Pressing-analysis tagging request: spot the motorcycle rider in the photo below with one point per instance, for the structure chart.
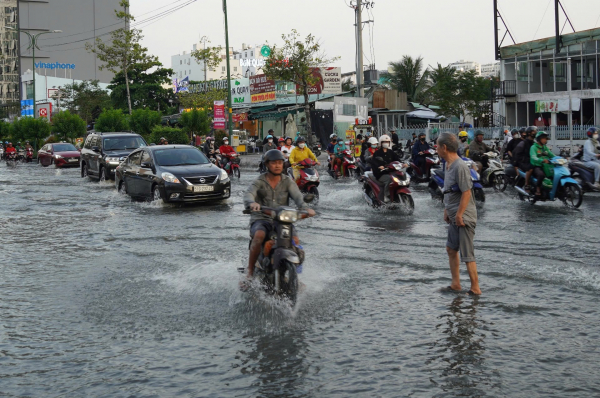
(591, 154)
(10, 150)
(300, 153)
(463, 146)
(162, 141)
(272, 189)
(510, 148)
(209, 148)
(226, 152)
(521, 158)
(330, 149)
(287, 147)
(373, 144)
(418, 152)
(338, 151)
(381, 158)
(269, 145)
(540, 155)
(476, 150)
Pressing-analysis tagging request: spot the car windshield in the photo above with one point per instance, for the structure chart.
(64, 147)
(179, 157)
(122, 143)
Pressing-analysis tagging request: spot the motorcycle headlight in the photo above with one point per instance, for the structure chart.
(224, 175)
(313, 178)
(288, 216)
(168, 177)
(398, 167)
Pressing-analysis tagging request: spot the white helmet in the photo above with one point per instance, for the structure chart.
(384, 138)
(333, 135)
(373, 141)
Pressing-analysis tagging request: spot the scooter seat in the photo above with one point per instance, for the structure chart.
(373, 178)
(582, 165)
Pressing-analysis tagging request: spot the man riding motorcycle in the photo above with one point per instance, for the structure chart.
(591, 154)
(540, 157)
(381, 158)
(517, 138)
(272, 189)
(477, 149)
(521, 158)
(10, 150)
(300, 153)
(227, 152)
(418, 151)
(463, 146)
(331, 149)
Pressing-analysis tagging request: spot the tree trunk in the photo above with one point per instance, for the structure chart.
(308, 127)
(127, 85)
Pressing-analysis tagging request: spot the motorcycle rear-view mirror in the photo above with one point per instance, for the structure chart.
(309, 198)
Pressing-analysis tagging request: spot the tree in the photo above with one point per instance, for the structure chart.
(30, 129)
(461, 94)
(145, 88)
(142, 121)
(210, 57)
(124, 49)
(86, 99)
(112, 120)
(407, 76)
(295, 62)
(67, 126)
(5, 130)
(347, 85)
(201, 100)
(195, 122)
(173, 135)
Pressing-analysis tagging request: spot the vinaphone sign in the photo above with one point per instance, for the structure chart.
(54, 65)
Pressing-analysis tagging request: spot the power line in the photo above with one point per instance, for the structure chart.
(543, 16)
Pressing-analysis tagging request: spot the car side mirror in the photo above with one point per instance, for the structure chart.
(309, 198)
(146, 165)
(95, 149)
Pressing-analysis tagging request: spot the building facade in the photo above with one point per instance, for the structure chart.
(464, 66)
(9, 50)
(490, 70)
(541, 78)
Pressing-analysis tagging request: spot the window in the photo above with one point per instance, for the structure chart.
(235, 68)
(252, 53)
(523, 71)
(349, 109)
(560, 68)
(134, 158)
(146, 157)
(88, 141)
(223, 69)
(245, 54)
(180, 62)
(588, 69)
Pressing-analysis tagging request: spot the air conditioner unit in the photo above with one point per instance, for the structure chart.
(371, 77)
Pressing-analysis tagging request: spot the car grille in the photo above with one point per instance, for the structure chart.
(201, 180)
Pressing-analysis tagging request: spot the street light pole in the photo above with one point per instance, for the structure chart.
(32, 45)
(229, 105)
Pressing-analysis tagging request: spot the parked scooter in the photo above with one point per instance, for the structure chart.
(281, 259)
(436, 184)
(562, 187)
(399, 188)
(494, 175)
(348, 166)
(432, 161)
(581, 173)
(309, 178)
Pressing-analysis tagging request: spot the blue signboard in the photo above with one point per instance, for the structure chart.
(27, 107)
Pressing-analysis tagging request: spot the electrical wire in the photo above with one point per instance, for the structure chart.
(543, 16)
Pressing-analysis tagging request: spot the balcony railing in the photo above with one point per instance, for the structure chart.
(508, 88)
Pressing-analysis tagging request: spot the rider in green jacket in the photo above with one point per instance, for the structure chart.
(540, 157)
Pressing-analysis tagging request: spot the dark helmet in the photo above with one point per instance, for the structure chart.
(479, 132)
(531, 129)
(273, 154)
(591, 131)
(421, 135)
(300, 139)
(522, 130)
(210, 138)
(514, 131)
(540, 135)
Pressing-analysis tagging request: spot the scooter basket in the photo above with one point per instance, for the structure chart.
(235, 160)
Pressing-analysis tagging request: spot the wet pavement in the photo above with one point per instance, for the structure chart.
(103, 296)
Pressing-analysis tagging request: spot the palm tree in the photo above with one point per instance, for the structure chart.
(408, 76)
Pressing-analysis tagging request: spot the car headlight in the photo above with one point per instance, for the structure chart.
(288, 216)
(224, 175)
(57, 157)
(168, 177)
(112, 160)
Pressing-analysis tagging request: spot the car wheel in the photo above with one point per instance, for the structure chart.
(84, 171)
(156, 197)
(122, 188)
(102, 175)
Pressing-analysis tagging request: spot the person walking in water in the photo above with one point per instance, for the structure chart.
(459, 212)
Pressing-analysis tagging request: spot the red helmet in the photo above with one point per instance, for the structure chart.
(281, 139)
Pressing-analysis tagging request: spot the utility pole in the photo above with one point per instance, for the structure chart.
(229, 110)
(204, 39)
(359, 49)
(570, 103)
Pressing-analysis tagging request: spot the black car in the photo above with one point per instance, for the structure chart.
(172, 173)
(102, 153)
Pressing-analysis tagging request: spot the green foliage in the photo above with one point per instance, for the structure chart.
(173, 135)
(195, 122)
(86, 99)
(5, 130)
(67, 126)
(219, 135)
(145, 88)
(201, 100)
(209, 56)
(407, 76)
(51, 140)
(347, 85)
(123, 49)
(461, 94)
(142, 121)
(112, 120)
(30, 129)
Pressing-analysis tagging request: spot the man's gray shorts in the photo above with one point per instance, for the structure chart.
(461, 240)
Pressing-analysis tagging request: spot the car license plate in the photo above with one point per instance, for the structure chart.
(72, 160)
(204, 188)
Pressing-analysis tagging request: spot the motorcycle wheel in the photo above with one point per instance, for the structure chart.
(408, 202)
(479, 195)
(289, 282)
(313, 190)
(317, 153)
(573, 196)
(236, 173)
(499, 182)
(435, 191)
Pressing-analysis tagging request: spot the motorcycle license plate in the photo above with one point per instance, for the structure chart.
(204, 188)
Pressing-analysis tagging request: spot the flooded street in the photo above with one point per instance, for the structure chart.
(104, 296)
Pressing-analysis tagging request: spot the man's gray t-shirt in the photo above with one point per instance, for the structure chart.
(459, 174)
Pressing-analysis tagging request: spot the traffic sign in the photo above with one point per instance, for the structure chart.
(43, 112)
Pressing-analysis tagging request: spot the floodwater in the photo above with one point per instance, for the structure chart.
(102, 296)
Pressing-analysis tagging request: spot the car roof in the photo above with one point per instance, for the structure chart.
(121, 133)
(155, 147)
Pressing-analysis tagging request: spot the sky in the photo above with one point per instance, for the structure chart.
(438, 30)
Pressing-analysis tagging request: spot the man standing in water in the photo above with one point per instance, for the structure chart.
(460, 213)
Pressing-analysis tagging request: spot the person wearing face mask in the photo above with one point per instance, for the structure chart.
(591, 154)
(540, 156)
(269, 145)
(521, 158)
(476, 150)
(270, 133)
(463, 147)
(512, 144)
(300, 153)
(208, 149)
(338, 151)
(330, 149)
(381, 158)
(418, 151)
(373, 144)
